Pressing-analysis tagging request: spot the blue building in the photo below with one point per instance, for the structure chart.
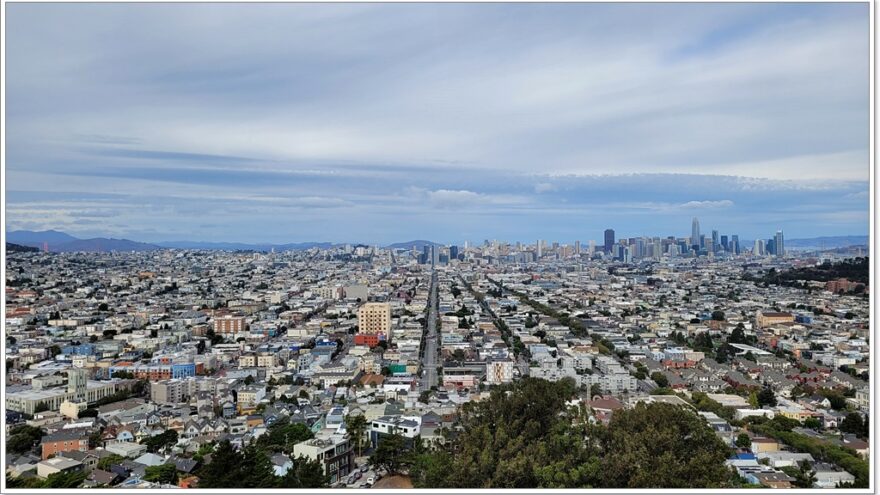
(82, 349)
(183, 370)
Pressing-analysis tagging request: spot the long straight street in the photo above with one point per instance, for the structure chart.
(429, 356)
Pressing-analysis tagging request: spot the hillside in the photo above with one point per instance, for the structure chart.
(59, 242)
(18, 248)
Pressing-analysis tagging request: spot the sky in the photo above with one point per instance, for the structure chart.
(380, 123)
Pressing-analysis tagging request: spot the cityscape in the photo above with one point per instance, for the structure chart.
(468, 247)
(360, 366)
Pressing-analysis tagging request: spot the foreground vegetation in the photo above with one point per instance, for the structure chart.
(525, 435)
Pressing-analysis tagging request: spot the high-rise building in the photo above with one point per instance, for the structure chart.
(695, 233)
(780, 244)
(77, 384)
(592, 248)
(609, 240)
(540, 248)
(771, 246)
(759, 247)
(734, 241)
(374, 324)
(453, 252)
(714, 241)
(577, 247)
(724, 245)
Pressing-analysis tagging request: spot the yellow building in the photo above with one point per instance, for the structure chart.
(764, 320)
(375, 319)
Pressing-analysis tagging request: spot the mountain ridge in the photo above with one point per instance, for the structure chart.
(62, 242)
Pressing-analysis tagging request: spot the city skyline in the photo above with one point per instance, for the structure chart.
(522, 121)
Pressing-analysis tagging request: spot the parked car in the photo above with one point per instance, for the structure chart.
(371, 480)
(365, 468)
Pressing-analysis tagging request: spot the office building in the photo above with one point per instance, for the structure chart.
(695, 234)
(779, 245)
(609, 240)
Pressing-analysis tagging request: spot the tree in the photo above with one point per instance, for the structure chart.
(164, 473)
(88, 413)
(390, 453)
(738, 335)
(256, 469)
(305, 473)
(753, 400)
(838, 401)
(223, 470)
(660, 379)
(766, 397)
(804, 475)
(661, 446)
(357, 427)
(813, 423)
(852, 423)
(248, 380)
(159, 442)
(64, 480)
(744, 441)
(23, 438)
(718, 315)
(283, 435)
(109, 460)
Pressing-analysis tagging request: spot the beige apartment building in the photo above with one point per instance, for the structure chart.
(374, 319)
(764, 320)
(225, 325)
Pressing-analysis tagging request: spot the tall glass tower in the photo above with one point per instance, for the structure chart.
(780, 244)
(695, 233)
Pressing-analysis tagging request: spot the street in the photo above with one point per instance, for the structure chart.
(429, 356)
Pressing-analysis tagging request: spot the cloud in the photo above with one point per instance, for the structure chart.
(724, 203)
(455, 200)
(366, 120)
(543, 187)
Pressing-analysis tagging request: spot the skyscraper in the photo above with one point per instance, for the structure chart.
(724, 245)
(714, 240)
(780, 244)
(453, 252)
(577, 247)
(759, 247)
(540, 245)
(734, 241)
(695, 233)
(609, 240)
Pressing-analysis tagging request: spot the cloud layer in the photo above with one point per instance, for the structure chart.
(381, 122)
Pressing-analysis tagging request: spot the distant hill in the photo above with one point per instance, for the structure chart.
(18, 248)
(239, 246)
(59, 242)
(103, 245)
(832, 242)
(419, 244)
(31, 238)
